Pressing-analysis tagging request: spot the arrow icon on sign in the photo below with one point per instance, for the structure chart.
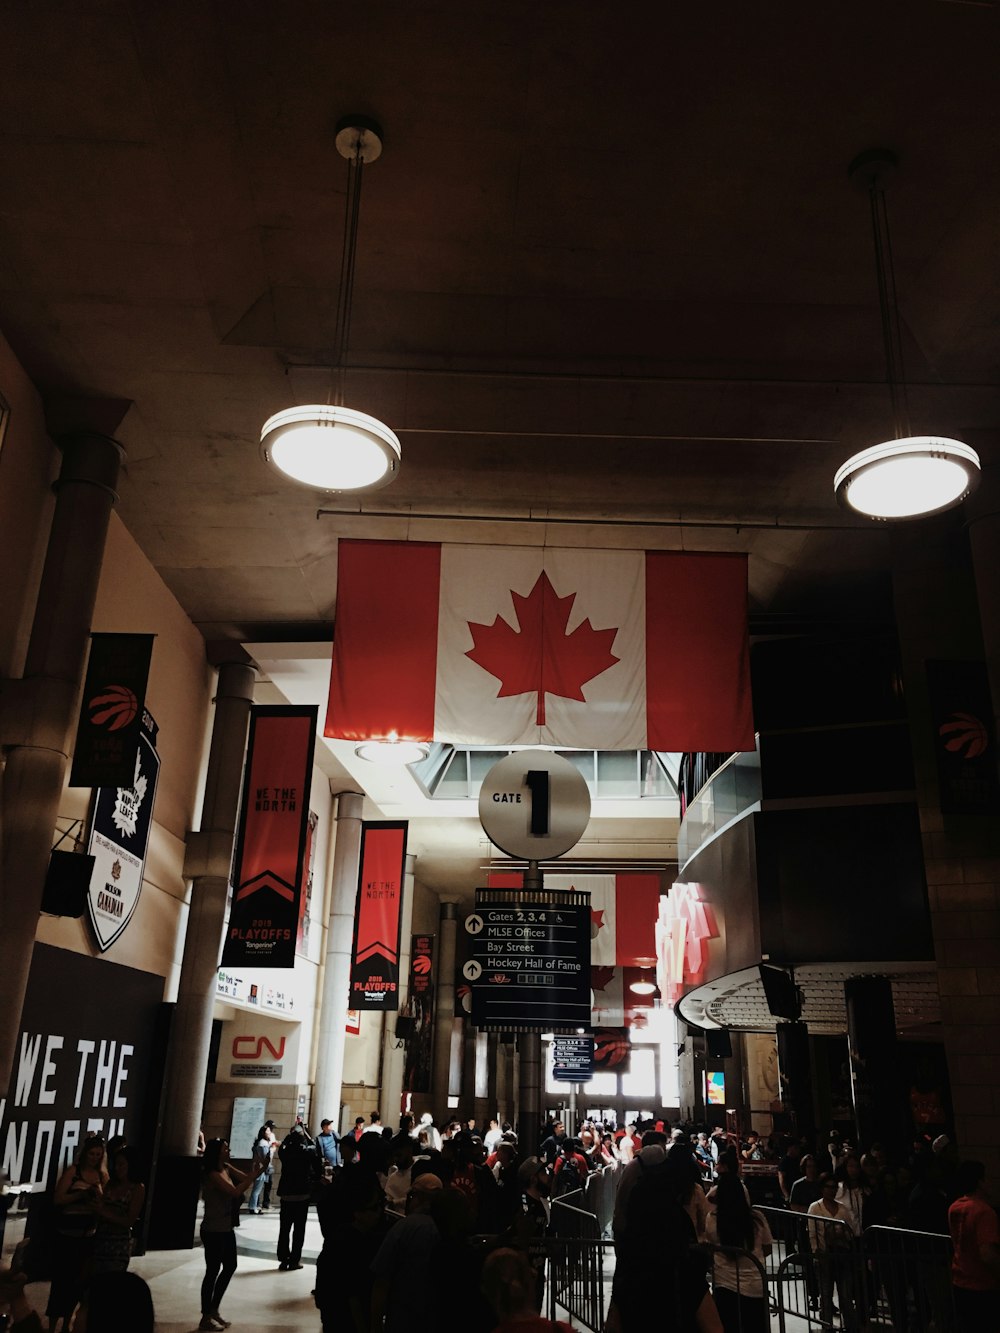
(474, 924)
(472, 970)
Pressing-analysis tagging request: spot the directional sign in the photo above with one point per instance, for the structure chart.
(534, 804)
(534, 953)
(572, 1059)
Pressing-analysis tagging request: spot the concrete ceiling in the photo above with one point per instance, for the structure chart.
(614, 286)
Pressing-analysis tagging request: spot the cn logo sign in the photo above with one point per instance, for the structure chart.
(252, 1048)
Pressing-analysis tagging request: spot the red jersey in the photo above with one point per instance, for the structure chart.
(973, 1223)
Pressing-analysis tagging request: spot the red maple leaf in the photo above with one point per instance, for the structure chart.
(540, 657)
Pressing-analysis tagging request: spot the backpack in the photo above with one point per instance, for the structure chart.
(568, 1178)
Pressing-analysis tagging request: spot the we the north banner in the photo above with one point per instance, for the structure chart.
(270, 855)
(377, 917)
(481, 645)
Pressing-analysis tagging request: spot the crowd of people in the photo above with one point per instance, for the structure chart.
(446, 1227)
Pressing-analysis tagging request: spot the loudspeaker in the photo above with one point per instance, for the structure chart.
(718, 1044)
(405, 1027)
(66, 883)
(781, 993)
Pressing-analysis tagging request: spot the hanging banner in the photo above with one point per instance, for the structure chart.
(420, 1007)
(271, 843)
(596, 649)
(119, 837)
(375, 956)
(110, 724)
(88, 1054)
(964, 740)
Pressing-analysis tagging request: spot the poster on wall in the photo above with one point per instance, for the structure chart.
(377, 916)
(119, 837)
(271, 842)
(86, 1058)
(420, 1008)
(111, 708)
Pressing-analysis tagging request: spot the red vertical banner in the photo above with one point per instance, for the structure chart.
(377, 915)
(271, 844)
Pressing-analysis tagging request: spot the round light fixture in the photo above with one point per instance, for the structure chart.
(392, 751)
(642, 988)
(911, 478)
(330, 448)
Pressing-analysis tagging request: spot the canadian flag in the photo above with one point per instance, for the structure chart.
(484, 645)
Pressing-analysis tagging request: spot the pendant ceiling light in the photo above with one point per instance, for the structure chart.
(330, 447)
(392, 751)
(910, 476)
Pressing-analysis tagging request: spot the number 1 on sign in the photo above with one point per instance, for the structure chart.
(538, 783)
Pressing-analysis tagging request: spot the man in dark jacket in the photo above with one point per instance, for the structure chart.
(301, 1172)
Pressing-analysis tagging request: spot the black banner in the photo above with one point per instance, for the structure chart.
(964, 740)
(84, 1063)
(114, 695)
(377, 916)
(420, 1008)
(271, 844)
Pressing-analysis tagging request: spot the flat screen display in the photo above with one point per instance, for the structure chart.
(715, 1089)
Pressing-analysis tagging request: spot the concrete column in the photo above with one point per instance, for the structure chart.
(492, 1100)
(207, 861)
(795, 1072)
(880, 1101)
(40, 710)
(529, 1049)
(944, 613)
(337, 975)
(444, 1010)
(394, 1054)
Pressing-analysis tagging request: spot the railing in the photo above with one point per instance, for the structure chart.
(581, 1259)
(888, 1277)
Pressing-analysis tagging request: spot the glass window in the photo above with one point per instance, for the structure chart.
(454, 784)
(617, 774)
(583, 761)
(657, 778)
(640, 1081)
(602, 1085)
(481, 761)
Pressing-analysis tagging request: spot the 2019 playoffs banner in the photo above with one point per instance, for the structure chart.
(377, 915)
(269, 863)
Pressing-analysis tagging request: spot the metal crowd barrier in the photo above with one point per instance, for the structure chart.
(823, 1275)
(581, 1259)
(740, 1288)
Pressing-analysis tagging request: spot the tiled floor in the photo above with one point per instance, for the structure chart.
(259, 1296)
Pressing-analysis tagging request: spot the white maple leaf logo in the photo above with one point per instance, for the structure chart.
(129, 801)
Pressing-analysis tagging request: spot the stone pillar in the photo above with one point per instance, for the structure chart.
(40, 710)
(880, 1099)
(795, 1073)
(944, 613)
(394, 1053)
(529, 1049)
(444, 1010)
(337, 974)
(207, 861)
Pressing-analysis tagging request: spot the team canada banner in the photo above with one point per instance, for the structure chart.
(269, 863)
(377, 916)
(482, 645)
